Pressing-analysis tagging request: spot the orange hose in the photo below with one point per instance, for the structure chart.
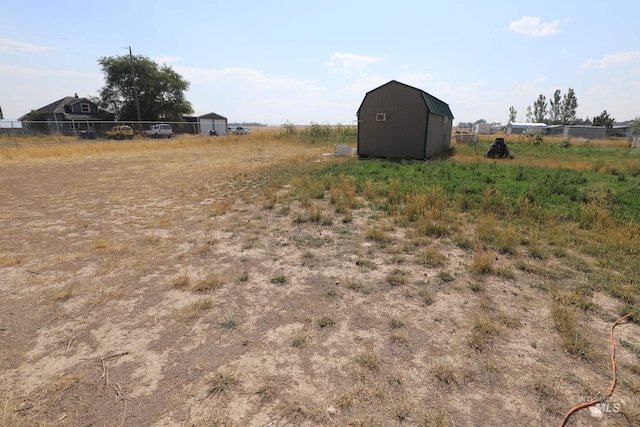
(613, 372)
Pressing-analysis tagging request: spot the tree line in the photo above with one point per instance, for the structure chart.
(560, 110)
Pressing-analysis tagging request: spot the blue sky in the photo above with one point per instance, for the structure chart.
(300, 61)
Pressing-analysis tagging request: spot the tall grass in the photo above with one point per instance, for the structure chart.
(517, 210)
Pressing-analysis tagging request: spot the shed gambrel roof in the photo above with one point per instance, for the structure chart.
(437, 106)
(434, 104)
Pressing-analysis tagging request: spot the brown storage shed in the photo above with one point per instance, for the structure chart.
(398, 121)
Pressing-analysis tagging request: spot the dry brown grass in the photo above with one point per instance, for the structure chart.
(71, 148)
(366, 324)
(64, 294)
(222, 381)
(209, 283)
(195, 310)
(9, 260)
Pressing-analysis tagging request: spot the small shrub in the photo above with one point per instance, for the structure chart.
(483, 332)
(378, 235)
(430, 257)
(266, 391)
(446, 276)
(398, 339)
(279, 280)
(222, 381)
(565, 322)
(195, 310)
(64, 294)
(366, 263)
(325, 321)
(368, 360)
(395, 323)
(299, 341)
(445, 374)
(270, 199)
(426, 298)
(209, 283)
(476, 287)
(230, 323)
(482, 262)
(354, 285)
(545, 390)
(575, 299)
(181, 282)
(307, 188)
(435, 418)
(397, 277)
(343, 194)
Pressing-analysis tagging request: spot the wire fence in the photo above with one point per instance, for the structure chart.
(16, 133)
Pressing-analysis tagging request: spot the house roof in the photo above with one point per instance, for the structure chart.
(58, 106)
(434, 104)
(526, 125)
(206, 116)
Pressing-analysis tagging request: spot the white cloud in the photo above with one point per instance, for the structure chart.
(534, 27)
(616, 59)
(247, 78)
(33, 87)
(7, 45)
(348, 63)
(21, 72)
(241, 93)
(529, 88)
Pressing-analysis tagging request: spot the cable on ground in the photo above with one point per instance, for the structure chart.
(613, 373)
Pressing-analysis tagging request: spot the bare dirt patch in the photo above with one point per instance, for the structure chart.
(155, 288)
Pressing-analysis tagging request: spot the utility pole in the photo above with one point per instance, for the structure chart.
(135, 91)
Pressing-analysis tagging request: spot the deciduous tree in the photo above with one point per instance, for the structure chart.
(603, 120)
(569, 107)
(159, 88)
(555, 106)
(540, 109)
(513, 113)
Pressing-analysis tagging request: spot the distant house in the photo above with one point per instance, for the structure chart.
(67, 115)
(67, 109)
(398, 121)
(620, 130)
(554, 130)
(206, 122)
(482, 128)
(587, 132)
(524, 128)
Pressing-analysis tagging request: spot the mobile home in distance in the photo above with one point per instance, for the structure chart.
(482, 128)
(524, 128)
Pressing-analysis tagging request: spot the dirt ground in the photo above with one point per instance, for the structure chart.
(156, 289)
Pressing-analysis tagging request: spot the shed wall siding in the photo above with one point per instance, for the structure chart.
(593, 132)
(417, 125)
(402, 135)
(439, 136)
